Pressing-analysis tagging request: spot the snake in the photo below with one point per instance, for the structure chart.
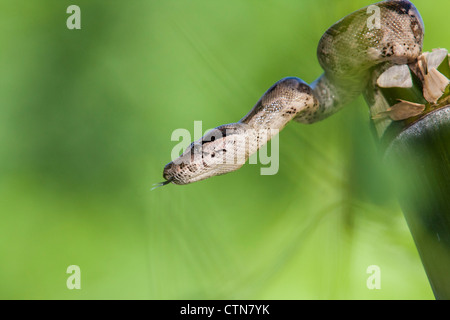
(387, 32)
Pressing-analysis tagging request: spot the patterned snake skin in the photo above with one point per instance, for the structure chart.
(348, 52)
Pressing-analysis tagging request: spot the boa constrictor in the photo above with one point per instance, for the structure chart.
(348, 52)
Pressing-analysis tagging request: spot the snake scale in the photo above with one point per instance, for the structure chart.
(348, 52)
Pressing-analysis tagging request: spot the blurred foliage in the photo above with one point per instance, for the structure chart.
(86, 120)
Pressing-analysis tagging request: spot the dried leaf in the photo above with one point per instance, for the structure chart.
(422, 65)
(434, 85)
(435, 58)
(397, 76)
(401, 111)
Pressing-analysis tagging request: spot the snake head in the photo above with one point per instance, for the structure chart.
(219, 151)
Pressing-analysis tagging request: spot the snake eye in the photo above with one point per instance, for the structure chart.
(217, 133)
(211, 139)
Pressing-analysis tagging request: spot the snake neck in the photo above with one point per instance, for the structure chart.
(333, 94)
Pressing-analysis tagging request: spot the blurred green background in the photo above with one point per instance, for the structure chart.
(86, 121)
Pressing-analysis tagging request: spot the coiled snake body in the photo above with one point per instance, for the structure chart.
(348, 51)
